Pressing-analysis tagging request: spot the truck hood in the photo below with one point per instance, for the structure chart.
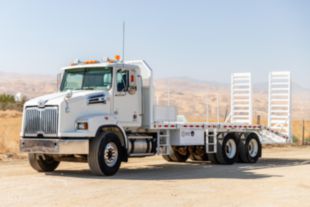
(59, 97)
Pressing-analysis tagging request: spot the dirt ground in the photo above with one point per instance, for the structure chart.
(281, 178)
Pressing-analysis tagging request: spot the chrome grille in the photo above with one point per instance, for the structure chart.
(41, 121)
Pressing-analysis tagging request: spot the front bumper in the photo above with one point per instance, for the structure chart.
(54, 146)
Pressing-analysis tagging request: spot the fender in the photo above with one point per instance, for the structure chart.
(123, 139)
(97, 122)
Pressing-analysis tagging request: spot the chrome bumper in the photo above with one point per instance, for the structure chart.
(55, 146)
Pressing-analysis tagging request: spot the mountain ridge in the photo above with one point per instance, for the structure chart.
(188, 94)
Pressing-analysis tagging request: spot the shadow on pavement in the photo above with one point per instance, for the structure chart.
(189, 170)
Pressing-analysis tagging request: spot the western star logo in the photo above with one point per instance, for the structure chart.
(41, 103)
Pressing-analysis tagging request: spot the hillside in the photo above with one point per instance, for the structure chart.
(189, 95)
(30, 85)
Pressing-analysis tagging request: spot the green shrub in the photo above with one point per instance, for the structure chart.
(7, 102)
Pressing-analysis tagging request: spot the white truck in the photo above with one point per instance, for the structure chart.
(104, 113)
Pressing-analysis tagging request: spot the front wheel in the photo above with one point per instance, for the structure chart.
(42, 163)
(105, 154)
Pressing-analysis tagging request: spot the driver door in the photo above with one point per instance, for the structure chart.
(127, 98)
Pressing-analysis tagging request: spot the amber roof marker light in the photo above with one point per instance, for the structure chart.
(117, 57)
(91, 61)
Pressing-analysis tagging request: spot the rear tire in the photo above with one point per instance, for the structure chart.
(198, 154)
(250, 150)
(227, 150)
(167, 158)
(105, 154)
(42, 163)
(178, 154)
(213, 159)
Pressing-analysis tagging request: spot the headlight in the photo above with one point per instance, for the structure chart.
(82, 125)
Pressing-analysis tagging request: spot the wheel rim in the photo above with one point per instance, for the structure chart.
(253, 148)
(230, 148)
(110, 154)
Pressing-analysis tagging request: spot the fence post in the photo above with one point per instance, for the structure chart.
(303, 132)
(258, 120)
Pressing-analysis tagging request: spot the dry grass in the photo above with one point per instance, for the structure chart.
(10, 122)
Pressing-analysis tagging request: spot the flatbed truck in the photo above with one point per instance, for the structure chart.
(104, 114)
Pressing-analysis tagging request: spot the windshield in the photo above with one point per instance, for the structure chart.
(87, 79)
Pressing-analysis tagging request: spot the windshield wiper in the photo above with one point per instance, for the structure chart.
(89, 88)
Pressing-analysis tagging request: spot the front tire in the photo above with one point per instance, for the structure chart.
(42, 163)
(105, 154)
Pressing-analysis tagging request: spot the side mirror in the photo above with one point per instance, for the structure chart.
(59, 78)
(132, 82)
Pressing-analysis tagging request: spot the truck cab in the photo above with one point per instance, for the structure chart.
(94, 98)
(111, 88)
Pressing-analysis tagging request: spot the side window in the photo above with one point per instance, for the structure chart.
(122, 79)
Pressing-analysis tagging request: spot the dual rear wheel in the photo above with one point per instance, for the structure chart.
(229, 151)
(177, 154)
(250, 150)
(197, 153)
(226, 151)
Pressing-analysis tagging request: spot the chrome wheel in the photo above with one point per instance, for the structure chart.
(230, 148)
(253, 148)
(110, 154)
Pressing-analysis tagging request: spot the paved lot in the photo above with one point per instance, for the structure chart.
(281, 178)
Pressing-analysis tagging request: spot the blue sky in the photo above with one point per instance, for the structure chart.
(206, 40)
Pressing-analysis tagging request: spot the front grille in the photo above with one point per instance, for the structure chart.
(41, 121)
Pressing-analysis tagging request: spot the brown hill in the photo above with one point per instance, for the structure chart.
(30, 85)
(190, 96)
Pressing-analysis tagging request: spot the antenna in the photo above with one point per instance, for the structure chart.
(217, 108)
(123, 55)
(207, 109)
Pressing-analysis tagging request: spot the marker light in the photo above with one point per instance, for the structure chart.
(132, 78)
(82, 126)
(90, 61)
(117, 57)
